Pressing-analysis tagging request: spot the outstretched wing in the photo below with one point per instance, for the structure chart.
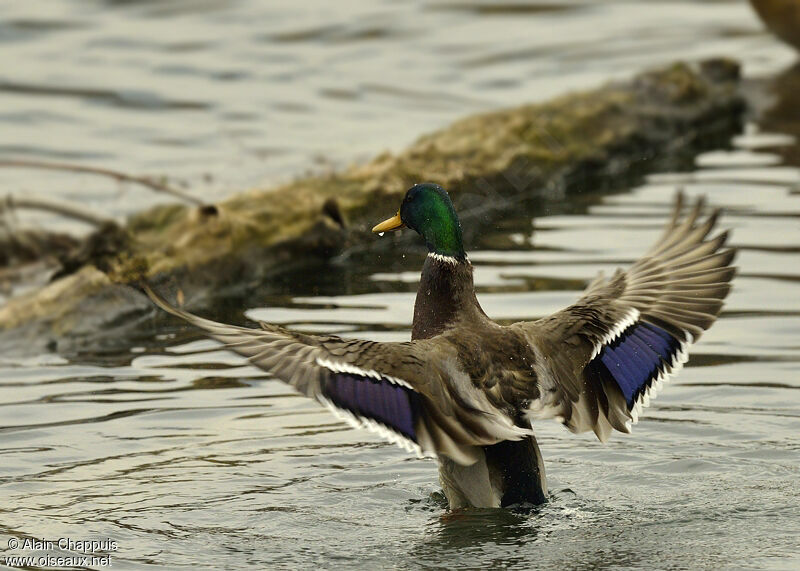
(609, 353)
(406, 392)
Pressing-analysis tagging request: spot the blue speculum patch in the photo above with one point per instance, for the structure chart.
(635, 358)
(392, 405)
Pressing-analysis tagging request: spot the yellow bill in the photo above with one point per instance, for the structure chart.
(392, 223)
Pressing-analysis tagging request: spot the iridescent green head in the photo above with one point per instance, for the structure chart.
(428, 210)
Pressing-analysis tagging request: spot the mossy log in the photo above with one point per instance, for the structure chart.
(576, 143)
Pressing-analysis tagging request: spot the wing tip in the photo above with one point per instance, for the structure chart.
(159, 301)
(212, 328)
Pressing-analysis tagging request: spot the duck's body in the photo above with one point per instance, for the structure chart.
(466, 390)
(510, 472)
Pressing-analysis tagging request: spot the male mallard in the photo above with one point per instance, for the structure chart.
(465, 389)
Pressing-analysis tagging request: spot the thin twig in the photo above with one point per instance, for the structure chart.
(68, 209)
(120, 176)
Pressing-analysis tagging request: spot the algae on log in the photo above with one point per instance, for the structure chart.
(576, 143)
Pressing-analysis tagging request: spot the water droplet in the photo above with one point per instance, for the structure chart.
(381, 233)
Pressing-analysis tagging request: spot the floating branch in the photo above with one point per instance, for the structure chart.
(10, 202)
(151, 183)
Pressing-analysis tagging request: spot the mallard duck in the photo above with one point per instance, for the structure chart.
(466, 390)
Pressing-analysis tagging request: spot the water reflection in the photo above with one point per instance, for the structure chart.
(482, 536)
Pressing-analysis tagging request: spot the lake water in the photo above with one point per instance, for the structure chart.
(185, 457)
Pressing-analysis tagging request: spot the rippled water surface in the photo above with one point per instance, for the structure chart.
(186, 457)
